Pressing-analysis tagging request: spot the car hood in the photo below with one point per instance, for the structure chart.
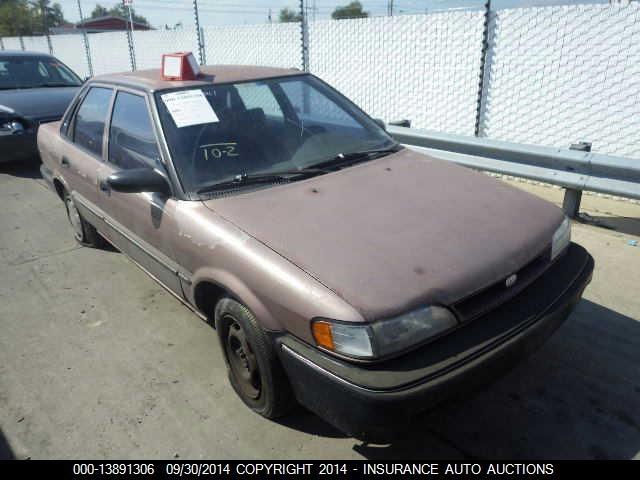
(398, 232)
(37, 103)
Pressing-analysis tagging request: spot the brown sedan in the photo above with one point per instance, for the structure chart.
(362, 279)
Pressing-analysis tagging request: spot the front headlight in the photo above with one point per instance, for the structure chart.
(384, 337)
(11, 127)
(561, 238)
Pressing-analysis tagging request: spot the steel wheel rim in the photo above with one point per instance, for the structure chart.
(242, 361)
(74, 219)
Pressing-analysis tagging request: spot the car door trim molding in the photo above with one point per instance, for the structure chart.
(151, 251)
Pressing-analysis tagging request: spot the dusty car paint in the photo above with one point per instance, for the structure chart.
(397, 232)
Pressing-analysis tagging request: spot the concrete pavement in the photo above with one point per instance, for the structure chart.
(98, 361)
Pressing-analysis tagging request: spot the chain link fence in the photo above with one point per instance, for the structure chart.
(562, 74)
(540, 75)
(419, 67)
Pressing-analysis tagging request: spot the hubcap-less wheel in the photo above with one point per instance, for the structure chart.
(74, 218)
(242, 360)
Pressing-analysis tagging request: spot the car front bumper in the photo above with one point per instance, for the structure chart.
(374, 401)
(18, 148)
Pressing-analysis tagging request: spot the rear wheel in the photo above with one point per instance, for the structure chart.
(254, 370)
(83, 231)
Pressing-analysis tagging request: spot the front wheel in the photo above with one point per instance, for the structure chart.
(254, 370)
(83, 231)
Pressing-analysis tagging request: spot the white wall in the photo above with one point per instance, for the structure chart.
(421, 67)
(554, 75)
(150, 45)
(276, 45)
(563, 74)
(70, 49)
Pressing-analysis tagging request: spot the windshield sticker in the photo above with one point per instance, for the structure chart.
(216, 151)
(189, 107)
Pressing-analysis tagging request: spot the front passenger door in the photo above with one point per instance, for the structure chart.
(140, 224)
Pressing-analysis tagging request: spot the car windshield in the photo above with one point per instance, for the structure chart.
(34, 72)
(220, 132)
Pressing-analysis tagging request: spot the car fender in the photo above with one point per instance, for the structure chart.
(237, 290)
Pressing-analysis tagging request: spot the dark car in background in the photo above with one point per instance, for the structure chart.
(35, 88)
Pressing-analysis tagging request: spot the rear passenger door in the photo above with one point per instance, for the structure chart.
(140, 224)
(81, 153)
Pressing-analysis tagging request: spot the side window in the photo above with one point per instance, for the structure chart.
(132, 143)
(90, 119)
(256, 96)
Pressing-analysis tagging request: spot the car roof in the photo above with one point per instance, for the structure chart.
(20, 53)
(151, 80)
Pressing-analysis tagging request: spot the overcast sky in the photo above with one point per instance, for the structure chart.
(224, 12)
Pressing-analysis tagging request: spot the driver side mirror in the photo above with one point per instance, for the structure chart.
(139, 180)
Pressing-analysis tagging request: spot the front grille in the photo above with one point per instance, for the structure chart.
(491, 297)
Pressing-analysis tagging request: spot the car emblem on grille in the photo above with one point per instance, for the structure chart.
(511, 280)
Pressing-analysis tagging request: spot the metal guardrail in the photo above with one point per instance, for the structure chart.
(575, 170)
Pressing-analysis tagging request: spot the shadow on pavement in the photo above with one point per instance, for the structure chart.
(578, 397)
(30, 169)
(5, 449)
(305, 421)
(628, 225)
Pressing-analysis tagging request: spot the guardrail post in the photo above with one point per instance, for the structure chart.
(22, 43)
(1, 44)
(571, 202)
(401, 123)
(572, 197)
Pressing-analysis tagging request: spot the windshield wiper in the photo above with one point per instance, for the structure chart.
(264, 177)
(350, 158)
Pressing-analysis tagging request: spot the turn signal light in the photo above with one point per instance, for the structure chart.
(322, 335)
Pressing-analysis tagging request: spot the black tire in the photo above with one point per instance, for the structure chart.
(258, 378)
(83, 231)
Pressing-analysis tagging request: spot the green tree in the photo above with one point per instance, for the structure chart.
(99, 11)
(287, 15)
(46, 15)
(15, 18)
(22, 17)
(353, 10)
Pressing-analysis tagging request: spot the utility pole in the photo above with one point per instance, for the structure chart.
(390, 8)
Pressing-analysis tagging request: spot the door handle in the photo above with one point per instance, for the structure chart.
(104, 186)
(65, 162)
